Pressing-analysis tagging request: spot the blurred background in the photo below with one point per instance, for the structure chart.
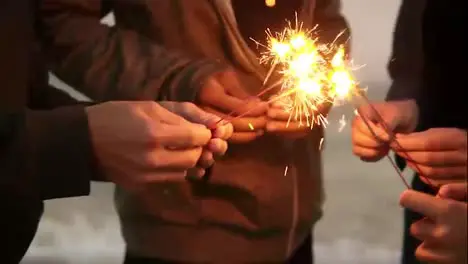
(362, 221)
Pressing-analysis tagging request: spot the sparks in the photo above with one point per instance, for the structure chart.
(313, 75)
(342, 123)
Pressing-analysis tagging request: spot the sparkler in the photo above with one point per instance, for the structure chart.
(309, 79)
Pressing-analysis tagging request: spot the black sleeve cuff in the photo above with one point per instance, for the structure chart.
(59, 152)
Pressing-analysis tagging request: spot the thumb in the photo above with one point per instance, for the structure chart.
(197, 115)
(372, 120)
(186, 135)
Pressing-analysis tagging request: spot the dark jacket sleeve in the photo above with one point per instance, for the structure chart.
(46, 153)
(406, 62)
(112, 63)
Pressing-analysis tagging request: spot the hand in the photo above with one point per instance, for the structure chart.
(399, 116)
(439, 153)
(141, 142)
(217, 146)
(443, 232)
(222, 94)
(282, 122)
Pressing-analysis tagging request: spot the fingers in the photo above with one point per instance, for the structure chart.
(183, 136)
(285, 126)
(436, 183)
(370, 130)
(168, 113)
(217, 146)
(245, 137)
(455, 191)
(206, 159)
(369, 140)
(195, 114)
(276, 111)
(365, 139)
(378, 113)
(438, 139)
(215, 95)
(439, 173)
(423, 229)
(248, 124)
(370, 154)
(433, 255)
(422, 203)
(243, 124)
(247, 129)
(436, 158)
(223, 131)
(398, 116)
(173, 159)
(196, 173)
(281, 122)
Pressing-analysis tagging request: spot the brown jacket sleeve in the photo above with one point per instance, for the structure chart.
(112, 63)
(332, 25)
(46, 154)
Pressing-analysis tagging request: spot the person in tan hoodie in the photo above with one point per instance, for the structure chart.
(246, 209)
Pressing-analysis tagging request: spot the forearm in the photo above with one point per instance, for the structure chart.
(48, 153)
(406, 62)
(112, 63)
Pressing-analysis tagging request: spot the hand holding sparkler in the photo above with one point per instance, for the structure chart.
(444, 228)
(399, 117)
(439, 153)
(216, 146)
(224, 95)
